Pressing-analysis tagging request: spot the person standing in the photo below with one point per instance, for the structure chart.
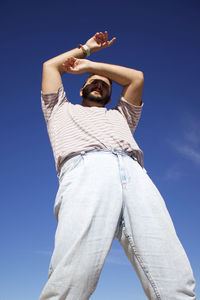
(104, 190)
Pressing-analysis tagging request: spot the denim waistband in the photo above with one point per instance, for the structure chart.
(112, 150)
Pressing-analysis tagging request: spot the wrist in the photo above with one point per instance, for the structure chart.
(85, 49)
(92, 66)
(90, 47)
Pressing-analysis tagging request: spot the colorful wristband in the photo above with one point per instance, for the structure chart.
(85, 49)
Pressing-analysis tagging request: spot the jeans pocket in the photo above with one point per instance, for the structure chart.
(70, 165)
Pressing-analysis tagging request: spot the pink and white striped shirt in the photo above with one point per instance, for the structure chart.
(73, 128)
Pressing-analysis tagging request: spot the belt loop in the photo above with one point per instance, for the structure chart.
(133, 157)
(113, 151)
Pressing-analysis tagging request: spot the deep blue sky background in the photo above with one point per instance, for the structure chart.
(161, 38)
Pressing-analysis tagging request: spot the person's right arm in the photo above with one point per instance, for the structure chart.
(52, 68)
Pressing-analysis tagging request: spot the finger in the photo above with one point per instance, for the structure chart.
(108, 43)
(65, 64)
(66, 68)
(106, 35)
(96, 35)
(112, 41)
(72, 59)
(68, 61)
(97, 38)
(101, 37)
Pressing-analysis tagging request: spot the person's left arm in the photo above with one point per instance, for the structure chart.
(131, 80)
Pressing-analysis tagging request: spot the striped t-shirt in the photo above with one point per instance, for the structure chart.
(73, 128)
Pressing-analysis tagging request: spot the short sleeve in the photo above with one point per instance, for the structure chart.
(130, 111)
(50, 102)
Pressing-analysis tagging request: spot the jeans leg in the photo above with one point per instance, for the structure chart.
(89, 208)
(150, 242)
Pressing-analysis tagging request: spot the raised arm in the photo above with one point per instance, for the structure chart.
(52, 69)
(131, 80)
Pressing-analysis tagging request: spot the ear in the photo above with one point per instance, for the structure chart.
(81, 92)
(108, 101)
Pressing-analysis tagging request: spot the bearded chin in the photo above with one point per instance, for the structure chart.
(99, 99)
(94, 98)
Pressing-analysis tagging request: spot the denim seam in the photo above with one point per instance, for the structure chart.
(141, 263)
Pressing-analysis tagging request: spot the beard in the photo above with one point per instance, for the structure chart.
(102, 98)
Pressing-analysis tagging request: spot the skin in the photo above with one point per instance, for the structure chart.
(53, 68)
(131, 80)
(73, 62)
(89, 103)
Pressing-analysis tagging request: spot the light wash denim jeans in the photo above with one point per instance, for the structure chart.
(105, 195)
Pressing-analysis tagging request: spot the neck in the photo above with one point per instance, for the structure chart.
(89, 103)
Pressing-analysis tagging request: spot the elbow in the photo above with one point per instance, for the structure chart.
(141, 76)
(46, 63)
(49, 64)
(138, 78)
(136, 75)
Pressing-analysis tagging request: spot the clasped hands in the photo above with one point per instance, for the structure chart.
(97, 42)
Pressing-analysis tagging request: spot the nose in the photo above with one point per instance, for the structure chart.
(99, 85)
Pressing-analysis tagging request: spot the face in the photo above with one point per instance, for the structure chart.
(97, 89)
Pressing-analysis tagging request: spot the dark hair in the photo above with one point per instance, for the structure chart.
(95, 74)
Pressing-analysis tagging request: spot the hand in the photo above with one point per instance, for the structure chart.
(99, 41)
(76, 66)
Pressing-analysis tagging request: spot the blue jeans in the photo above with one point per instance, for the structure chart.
(105, 195)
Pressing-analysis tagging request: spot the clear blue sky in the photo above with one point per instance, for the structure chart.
(160, 38)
